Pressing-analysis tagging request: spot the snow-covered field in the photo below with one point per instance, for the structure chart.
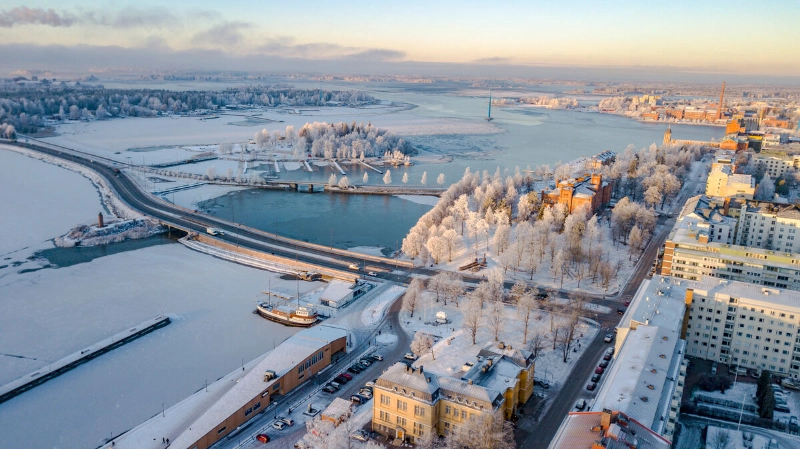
(49, 313)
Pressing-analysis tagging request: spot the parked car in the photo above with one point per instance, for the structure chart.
(358, 399)
(603, 364)
(367, 387)
(620, 311)
(599, 370)
(262, 437)
(370, 384)
(288, 421)
(541, 296)
(333, 385)
(347, 376)
(329, 389)
(354, 369)
(591, 386)
(360, 435)
(596, 377)
(341, 380)
(608, 338)
(790, 385)
(372, 273)
(714, 368)
(336, 385)
(627, 303)
(782, 408)
(279, 425)
(366, 393)
(606, 356)
(542, 383)
(361, 366)
(580, 405)
(365, 362)
(753, 373)
(409, 356)
(377, 357)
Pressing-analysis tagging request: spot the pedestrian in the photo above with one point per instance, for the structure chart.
(167, 440)
(163, 440)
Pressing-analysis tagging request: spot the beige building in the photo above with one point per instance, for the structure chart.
(722, 182)
(744, 324)
(411, 401)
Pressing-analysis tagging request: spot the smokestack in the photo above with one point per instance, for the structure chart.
(721, 101)
(100, 220)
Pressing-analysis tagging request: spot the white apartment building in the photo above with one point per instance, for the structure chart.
(776, 164)
(744, 324)
(690, 253)
(769, 226)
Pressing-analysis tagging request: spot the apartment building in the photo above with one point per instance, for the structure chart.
(770, 226)
(690, 253)
(776, 163)
(607, 429)
(744, 324)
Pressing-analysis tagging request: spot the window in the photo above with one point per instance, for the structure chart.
(221, 430)
(248, 411)
(385, 400)
(256, 406)
(419, 411)
(401, 405)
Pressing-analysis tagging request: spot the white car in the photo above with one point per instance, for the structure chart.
(608, 338)
(372, 273)
(278, 425)
(580, 405)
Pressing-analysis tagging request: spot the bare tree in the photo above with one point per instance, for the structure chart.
(422, 344)
(526, 304)
(413, 296)
(721, 439)
(537, 343)
(488, 430)
(495, 317)
(472, 316)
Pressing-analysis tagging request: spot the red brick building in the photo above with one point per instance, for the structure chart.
(588, 190)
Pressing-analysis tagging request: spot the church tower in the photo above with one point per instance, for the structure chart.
(668, 136)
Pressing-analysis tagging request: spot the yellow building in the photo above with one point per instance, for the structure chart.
(725, 184)
(411, 402)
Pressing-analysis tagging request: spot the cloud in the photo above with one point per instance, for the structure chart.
(22, 15)
(222, 35)
(495, 60)
(285, 46)
(378, 55)
(134, 18)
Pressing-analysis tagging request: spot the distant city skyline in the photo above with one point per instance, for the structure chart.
(708, 36)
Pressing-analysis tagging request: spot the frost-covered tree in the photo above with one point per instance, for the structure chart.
(332, 179)
(488, 430)
(211, 172)
(387, 177)
(437, 247)
(405, 178)
(440, 179)
(495, 318)
(344, 183)
(766, 189)
(472, 316)
(422, 344)
(366, 177)
(424, 180)
(413, 296)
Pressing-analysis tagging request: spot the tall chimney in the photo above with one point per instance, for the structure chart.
(721, 101)
(100, 220)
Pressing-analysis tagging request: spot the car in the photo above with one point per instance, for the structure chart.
(755, 374)
(627, 303)
(367, 387)
(782, 408)
(596, 377)
(620, 311)
(262, 437)
(591, 386)
(608, 338)
(279, 425)
(542, 296)
(790, 385)
(372, 273)
(377, 357)
(353, 369)
(341, 380)
(542, 383)
(603, 364)
(358, 399)
(370, 384)
(607, 356)
(328, 389)
(366, 393)
(333, 385)
(336, 385)
(347, 376)
(714, 368)
(409, 356)
(360, 435)
(361, 366)
(599, 370)
(288, 421)
(365, 362)
(580, 405)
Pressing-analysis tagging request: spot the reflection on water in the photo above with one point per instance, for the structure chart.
(65, 257)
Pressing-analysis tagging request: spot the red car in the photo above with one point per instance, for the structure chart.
(598, 370)
(262, 437)
(628, 302)
(591, 386)
(347, 376)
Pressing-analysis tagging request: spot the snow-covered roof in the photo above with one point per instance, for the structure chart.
(285, 357)
(580, 430)
(750, 294)
(339, 410)
(405, 379)
(637, 380)
(455, 388)
(660, 301)
(336, 291)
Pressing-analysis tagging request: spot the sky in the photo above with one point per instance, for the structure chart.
(729, 36)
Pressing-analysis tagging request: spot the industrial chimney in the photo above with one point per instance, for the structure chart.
(100, 220)
(721, 101)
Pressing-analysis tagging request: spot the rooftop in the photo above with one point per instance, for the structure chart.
(637, 383)
(582, 430)
(746, 293)
(659, 301)
(336, 290)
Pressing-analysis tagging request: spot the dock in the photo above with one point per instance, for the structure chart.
(336, 164)
(178, 188)
(71, 361)
(369, 166)
(277, 169)
(192, 160)
(308, 167)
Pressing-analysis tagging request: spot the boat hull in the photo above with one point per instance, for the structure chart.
(284, 321)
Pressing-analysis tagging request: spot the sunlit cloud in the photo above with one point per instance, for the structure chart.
(23, 15)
